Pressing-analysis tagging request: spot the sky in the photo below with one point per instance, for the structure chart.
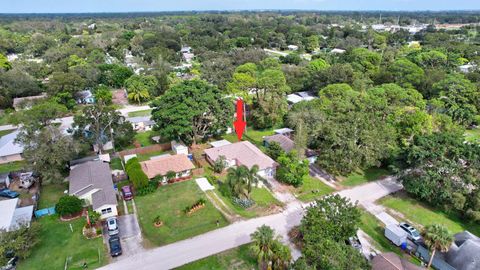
(79, 6)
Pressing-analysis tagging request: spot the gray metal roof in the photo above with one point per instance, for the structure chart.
(8, 146)
(93, 175)
(465, 252)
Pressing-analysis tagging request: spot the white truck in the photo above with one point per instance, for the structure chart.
(395, 234)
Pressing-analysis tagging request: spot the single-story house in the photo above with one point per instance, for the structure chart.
(9, 149)
(243, 153)
(180, 164)
(12, 217)
(288, 145)
(84, 97)
(141, 123)
(391, 261)
(92, 182)
(27, 102)
(103, 157)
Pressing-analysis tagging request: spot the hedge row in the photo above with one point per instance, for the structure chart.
(136, 174)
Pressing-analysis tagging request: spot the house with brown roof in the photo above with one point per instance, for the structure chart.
(243, 153)
(92, 182)
(160, 166)
(391, 261)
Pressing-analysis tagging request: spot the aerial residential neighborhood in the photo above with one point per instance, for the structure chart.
(269, 135)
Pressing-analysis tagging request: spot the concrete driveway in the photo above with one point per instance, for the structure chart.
(130, 236)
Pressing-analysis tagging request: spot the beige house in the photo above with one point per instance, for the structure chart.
(180, 164)
(10, 150)
(92, 182)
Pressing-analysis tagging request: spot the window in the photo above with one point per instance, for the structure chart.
(106, 211)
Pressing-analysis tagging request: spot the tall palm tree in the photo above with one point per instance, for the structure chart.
(263, 244)
(437, 237)
(236, 180)
(138, 94)
(281, 256)
(252, 178)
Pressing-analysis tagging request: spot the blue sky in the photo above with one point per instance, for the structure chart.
(76, 6)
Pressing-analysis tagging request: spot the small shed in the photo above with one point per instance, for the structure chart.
(179, 148)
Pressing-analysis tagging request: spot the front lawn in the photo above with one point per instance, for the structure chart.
(12, 166)
(364, 176)
(239, 258)
(423, 215)
(59, 244)
(50, 194)
(168, 202)
(140, 113)
(311, 189)
(254, 136)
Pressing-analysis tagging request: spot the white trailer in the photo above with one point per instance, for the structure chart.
(395, 234)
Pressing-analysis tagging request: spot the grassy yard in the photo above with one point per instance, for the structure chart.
(12, 166)
(116, 164)
(144, 137)
(311, 188)
(373, 227)
(143, 157)
(422, 215)
(238, 258)
(364, 176)
(168, 202)
(254, 136)
(140, 113)
(58, 242)
(473, 135)
(50, 194)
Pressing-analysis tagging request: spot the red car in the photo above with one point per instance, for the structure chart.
(127, 193)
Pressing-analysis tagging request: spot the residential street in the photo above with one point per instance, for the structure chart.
(236, 234)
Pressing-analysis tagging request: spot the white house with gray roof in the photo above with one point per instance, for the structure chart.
(10, 150)
(92, 182)
(13, 217)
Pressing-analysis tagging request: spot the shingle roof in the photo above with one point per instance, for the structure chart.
(390, 261)
(286, 143)
(7, 211)
(93, 175)
(8, 146)
(162, 165)
(245, 153)
(465, 252)
(140, 119)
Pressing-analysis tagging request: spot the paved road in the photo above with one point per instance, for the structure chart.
(236, 234)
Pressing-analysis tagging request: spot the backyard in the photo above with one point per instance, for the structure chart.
(144, 137)
(50, 194)
(472, 135)
(422, 215)
(254, 136)
(363, 176)
(168, 202)
(239, 258)
(12, 166)
(311, 189)
(140, 113)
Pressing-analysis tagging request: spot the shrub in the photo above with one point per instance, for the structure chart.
(244, 203)
(68, 205)
(136, 174)
(220, 164)
(150, 188)
(274, 150)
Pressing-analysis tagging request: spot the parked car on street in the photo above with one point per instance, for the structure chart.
(5, 192)
(115, 246)
(127, 193)
(413, 234)
(112, 226)
(396, 234)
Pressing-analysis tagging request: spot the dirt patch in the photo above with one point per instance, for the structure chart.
(119, 97)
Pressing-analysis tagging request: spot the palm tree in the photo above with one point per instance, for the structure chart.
(137, 93)
(252, 178)
(281, 256)
(236, 180)
(437, 237)
(263, 245)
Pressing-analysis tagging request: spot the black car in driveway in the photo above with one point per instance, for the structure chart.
(115, 247)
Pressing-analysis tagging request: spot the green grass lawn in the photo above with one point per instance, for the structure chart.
(472, 135)
(12, 166)
(58, 242)
(311, 188)
(5, 132)
(263, 197)
(140, 113)
(421, 214)
(168, 202)
(144, 137)
(364, 176)
(254, 136)
(50, 194)
(116, 164)
(147, 156)
(373, 227)
(238, 258)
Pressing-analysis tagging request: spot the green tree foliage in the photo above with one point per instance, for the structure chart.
(220, 164)
(103, 94)
(136, 174)
(291, 58)
(60, 82)
(437, 237)
(114, 75)
(274, 150)
(364, 60)
(431, 59)
(406, 73)
(192, 110)
(270, 252)
(141, 88)
(4, 64)
(240, 180)
(68, 205)
(21, 241)
(39, 116)
(292, 170)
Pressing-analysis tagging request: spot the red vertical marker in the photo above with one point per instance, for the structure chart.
(239, 124)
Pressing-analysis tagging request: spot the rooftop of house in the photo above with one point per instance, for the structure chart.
(245, 153)
(12, 217)
(285, 143)
(8, 146)
(391, 261)
(464, 254)
(162, 165)
(141, 119)
(90, 176)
